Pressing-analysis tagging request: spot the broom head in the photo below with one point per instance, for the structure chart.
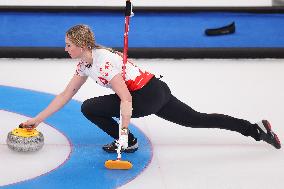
(118, 164)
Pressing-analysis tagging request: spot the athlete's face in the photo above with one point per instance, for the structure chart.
(73, 50)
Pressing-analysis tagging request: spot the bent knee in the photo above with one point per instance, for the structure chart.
(86, 106)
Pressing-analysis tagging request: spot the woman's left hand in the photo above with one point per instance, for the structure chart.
(30, 124)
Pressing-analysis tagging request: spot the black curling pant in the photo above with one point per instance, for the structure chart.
(156, 98)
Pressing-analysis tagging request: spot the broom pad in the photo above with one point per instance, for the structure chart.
(118, 164)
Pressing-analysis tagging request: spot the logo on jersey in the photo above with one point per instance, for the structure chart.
(103, 80)
(106, 69)
(80, 68)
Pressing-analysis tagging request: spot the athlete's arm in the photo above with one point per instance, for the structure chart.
(120, 88)
(59, 101)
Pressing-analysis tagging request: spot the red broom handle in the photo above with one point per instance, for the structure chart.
(128, 11)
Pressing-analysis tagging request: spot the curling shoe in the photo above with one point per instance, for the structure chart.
(112, 147)
(267, 135)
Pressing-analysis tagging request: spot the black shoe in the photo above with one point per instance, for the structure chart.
(112, 147)
(229, 29)
(267, 135)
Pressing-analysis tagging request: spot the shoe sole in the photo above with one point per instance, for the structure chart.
(126, 151)
(269, 129)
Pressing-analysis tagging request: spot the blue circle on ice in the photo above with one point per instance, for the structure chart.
(85, 167)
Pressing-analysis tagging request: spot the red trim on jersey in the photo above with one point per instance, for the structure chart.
(139, 81)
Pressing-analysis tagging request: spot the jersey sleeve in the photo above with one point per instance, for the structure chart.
(80, 69)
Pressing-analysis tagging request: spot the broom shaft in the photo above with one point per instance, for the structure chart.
(128, 11)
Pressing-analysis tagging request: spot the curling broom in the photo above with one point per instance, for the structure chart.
(119, 163)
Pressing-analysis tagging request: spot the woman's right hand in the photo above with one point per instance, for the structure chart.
(30, 124)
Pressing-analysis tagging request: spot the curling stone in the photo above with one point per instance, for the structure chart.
(24, 140)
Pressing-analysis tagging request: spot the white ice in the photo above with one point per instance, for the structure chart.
(17, 167)
(185, 158)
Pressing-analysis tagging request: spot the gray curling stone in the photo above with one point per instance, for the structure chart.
(23, 140)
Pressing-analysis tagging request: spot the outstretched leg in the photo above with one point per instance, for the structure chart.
(180, 113)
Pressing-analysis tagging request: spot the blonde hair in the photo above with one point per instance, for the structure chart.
(82, 36)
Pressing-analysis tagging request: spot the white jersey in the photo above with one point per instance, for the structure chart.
(107, 64)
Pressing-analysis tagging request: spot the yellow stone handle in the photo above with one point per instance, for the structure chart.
(23, 132)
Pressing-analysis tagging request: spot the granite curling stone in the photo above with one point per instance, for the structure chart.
(24, 140)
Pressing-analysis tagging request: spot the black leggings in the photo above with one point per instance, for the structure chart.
(156, 98)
